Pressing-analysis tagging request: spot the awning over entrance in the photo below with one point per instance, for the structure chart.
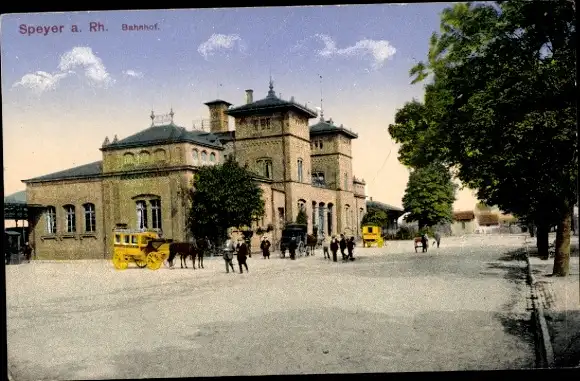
(16, 207)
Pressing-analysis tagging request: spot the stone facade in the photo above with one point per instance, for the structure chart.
(142, 180)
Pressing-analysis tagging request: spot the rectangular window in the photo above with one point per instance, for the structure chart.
(134, 239)
(156, 214)
(300, 177)
(269, 169)
(51, 220)
(126, 239)
(90, 218)
(117, 238)
(141, 215)
(70, 219)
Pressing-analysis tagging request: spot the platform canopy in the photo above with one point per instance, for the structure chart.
(16, 206)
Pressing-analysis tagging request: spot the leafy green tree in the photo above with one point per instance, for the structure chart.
(223, 196)
(375, 216)
(302, 218)
(429, 196)
(502, 112)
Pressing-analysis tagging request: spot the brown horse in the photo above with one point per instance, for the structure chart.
(311, 243)
(184, 249)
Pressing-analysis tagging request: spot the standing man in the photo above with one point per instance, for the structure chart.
(265, 246)
(242, 253)
(229, 254)
(342, 245)
(437, 238)
(325, 247)
(334, 248)
(350, 246)
(292, 248)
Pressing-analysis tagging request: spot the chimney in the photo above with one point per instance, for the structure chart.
(249, 96)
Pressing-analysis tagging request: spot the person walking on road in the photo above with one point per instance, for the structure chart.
(424, 242)
(342, 245)
(242, 253)
(350, 244)
(325, 250)
(292, 246)
(437, 239)
(265, 246)
(229, 254)
(334, 248)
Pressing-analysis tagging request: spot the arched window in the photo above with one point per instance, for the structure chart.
(141, 214)
(265, 167)
(159, 155)
(203, 156)
(212, 158)
(144, 157)
(70, 218)
(300, 171)
(156, 214)
(302, 204)
(195, 156)
(90, 218)
(128, 159)
(51, 220)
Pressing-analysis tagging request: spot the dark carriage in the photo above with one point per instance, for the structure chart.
(298, 231)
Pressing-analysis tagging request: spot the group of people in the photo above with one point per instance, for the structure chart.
(343, 244)
(242, 251)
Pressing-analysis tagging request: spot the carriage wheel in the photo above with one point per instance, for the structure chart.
(141, 262)
(120, 262)
(154, 261)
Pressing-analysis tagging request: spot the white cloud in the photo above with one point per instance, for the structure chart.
(220, 42)
(133, 73)
(380, 50)
(40, 81)
(78, 60)
(83, 58)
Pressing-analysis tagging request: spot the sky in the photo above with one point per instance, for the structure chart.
(64, 91)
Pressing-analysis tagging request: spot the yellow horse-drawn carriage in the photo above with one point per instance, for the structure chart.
(145, 248)
(371, 235)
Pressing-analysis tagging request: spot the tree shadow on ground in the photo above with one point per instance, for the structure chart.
(564, 328)
(518, 254)
(512, 272)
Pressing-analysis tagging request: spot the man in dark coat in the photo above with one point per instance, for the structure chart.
(292, 246)
(424, 242)
(350, 244)
(229, 250)
(242, 253)
(334, 248)
(342, 245)
(265, 246)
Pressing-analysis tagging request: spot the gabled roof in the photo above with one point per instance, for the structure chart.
(270, 104)
(165, 134)
(324, 127)
(464, 216)
(83, 171)
(18, 198)
(383, 206)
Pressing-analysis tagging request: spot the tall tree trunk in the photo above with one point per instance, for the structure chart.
(562, 257)
(542, 240)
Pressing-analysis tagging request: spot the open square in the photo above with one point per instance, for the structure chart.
(459, 307)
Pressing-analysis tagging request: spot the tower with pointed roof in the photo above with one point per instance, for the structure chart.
(272, 136)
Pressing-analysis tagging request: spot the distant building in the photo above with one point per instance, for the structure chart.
(464, 222)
